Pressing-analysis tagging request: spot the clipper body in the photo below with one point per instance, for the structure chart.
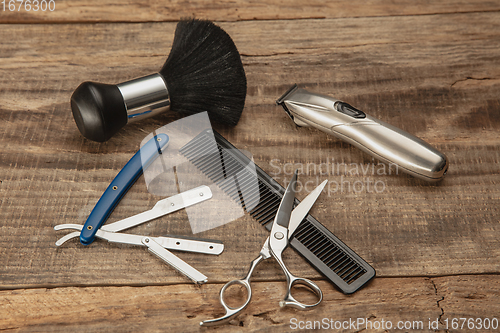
(377, 138)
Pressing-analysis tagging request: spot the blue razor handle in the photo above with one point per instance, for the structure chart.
(120, 185)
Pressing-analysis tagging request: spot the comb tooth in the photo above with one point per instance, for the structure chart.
(262, 212)
(309, 238)
(315, 246)
(266, 211)
(327, 252)
(192, 145)
(254, 196)
(264, 219)
(320, 251)
(247, 200)
(264, 207)
(226, 167)
(227, 184)
(244, 181)
(232, 165)
(251, 196)
(244, 178)
(350, 272)
(225, 164)
(330, 255)
(250, 200)
(216, 173)
(255, 191)
(267, 199)
(338, 264)
(334, 261)
(231, 186)
(203, 161)
(333, 257)
(264, 198)
(231, 189)
(269, 213)
(354, 277)
(346, 269)
(303, 229)
(196, 147)
(208, 162)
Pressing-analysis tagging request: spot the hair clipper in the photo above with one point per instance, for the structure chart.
(377, 138)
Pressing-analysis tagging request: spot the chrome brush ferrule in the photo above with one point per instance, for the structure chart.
(145, 97)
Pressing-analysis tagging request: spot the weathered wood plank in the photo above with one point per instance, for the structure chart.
(223, 10)
(439, 82)
(413, 302)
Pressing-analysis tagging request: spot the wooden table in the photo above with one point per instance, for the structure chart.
(432, 69)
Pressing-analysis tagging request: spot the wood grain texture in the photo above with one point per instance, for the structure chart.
(227, 10)
(438, 83)
(180, 308)
(429, 68)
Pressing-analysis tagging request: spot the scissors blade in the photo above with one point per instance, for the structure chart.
(285, 209)
(300, 212)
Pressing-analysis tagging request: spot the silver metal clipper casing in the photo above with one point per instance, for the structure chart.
(377, 138)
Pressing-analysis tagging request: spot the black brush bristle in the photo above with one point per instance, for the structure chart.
(204, 72)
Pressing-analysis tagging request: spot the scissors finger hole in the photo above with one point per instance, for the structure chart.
(304, 293)
(235, 295)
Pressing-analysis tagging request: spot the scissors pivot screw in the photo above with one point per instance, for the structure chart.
(279, 235)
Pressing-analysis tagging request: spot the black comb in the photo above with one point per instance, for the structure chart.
(322, 249)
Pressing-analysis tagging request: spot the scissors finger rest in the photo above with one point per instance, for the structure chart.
(245, 282)
(290, 301)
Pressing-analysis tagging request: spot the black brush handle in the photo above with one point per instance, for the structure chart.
(99, 110)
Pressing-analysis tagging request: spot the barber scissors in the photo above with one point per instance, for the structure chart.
(283, 227)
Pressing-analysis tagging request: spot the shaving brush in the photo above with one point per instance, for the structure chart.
(203, 72)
